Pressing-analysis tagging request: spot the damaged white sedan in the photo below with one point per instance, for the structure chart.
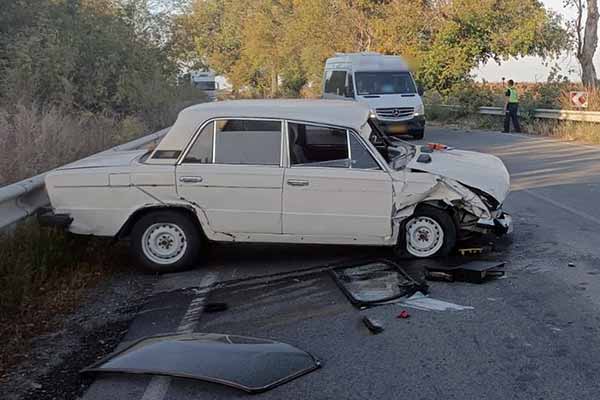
(280, 171)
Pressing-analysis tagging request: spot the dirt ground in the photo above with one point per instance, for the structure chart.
(49, 367)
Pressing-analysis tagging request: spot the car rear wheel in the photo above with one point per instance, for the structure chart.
(430, 232)
(165, 241)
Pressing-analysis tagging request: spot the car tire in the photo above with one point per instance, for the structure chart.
(418, 135)
(429, 232)
(166, 241)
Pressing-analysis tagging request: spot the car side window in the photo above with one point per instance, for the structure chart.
(254, 142)
(335, 82)
(361, 158)
(317, 146)
(201, 151)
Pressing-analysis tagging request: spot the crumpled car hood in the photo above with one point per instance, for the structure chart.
(478, 170)
(107, 159)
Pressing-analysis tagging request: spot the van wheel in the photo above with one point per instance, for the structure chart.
(165, 241)
(430, 232)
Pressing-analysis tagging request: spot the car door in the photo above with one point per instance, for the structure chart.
(233, 172)
(334, 186)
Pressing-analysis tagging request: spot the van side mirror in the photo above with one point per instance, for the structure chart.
(348, 92)
(420, 90)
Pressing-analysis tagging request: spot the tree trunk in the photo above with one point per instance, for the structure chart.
(588, 49)
(274, 82)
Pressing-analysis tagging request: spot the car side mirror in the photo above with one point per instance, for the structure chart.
(420, 90)
(348, 92)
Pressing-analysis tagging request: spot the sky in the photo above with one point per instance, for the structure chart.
(534, 69)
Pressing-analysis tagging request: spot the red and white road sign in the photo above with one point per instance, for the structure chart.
(579, 99)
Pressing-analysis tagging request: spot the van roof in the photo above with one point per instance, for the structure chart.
(367, 61)
(349, 114)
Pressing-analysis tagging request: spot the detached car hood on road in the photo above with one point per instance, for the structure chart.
(107, 159)
(478, 170)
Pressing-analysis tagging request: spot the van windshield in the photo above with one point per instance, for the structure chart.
(384, 83)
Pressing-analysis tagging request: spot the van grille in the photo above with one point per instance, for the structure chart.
(395, 112)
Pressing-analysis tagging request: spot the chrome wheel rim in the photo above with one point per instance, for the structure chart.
(164, 243)
(424, 236)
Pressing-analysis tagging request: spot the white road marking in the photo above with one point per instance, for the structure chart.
(562, 206)
(159, 385)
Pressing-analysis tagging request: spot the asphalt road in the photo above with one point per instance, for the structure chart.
(533, 335)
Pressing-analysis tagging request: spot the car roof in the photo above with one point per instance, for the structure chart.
(348, 114)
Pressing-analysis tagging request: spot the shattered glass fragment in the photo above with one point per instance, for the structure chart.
(375, 282)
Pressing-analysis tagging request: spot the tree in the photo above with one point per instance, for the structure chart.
(447, 39)
(586, 38)
(255, 43)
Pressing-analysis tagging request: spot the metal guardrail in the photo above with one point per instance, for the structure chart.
(22, 199)
(546, 113)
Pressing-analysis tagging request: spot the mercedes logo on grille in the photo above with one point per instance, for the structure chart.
(396, 112)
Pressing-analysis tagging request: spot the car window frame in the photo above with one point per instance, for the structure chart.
(358, 137)
(198, 131)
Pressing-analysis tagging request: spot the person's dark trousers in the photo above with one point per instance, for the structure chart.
(512, 112)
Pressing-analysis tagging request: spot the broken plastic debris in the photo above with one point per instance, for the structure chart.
(250, 364)
(473, 271)
(437, 146)
(572, 265)
(471, 250)
(373, 325)
(403, 314)
(439, 276)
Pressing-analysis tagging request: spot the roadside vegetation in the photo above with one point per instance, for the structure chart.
(77, 77)
(44, 274)
(460, 107)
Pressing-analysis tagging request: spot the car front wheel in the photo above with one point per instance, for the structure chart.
(165, 241)
(429, 232)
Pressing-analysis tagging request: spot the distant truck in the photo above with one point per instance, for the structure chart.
(205, 81)
(383, 82)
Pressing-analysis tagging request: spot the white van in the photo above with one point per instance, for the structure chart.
(383, 82)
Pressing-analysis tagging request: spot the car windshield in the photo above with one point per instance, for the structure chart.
(384, 83)
(396, 151)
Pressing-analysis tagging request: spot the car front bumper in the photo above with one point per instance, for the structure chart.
(411, 126)
(500, 225)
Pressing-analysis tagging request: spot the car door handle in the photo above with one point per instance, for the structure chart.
(190, 179)
(297, 182)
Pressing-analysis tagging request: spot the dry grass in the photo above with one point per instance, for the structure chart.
(567, 130)
(34, 140)
(563, 130)
(43, 274)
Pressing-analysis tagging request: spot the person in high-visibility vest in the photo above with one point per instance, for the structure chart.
(511, 107)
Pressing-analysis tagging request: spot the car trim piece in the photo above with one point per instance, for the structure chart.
(97, 366)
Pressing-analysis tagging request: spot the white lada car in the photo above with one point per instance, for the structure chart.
(279, 171)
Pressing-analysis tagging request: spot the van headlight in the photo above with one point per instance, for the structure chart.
(419, 110)
(372, 114)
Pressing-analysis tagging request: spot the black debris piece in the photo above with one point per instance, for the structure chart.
(375, 282)
(246, 363)
(373, 325)
(473, 271)
(215, 307)
(439, 276)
